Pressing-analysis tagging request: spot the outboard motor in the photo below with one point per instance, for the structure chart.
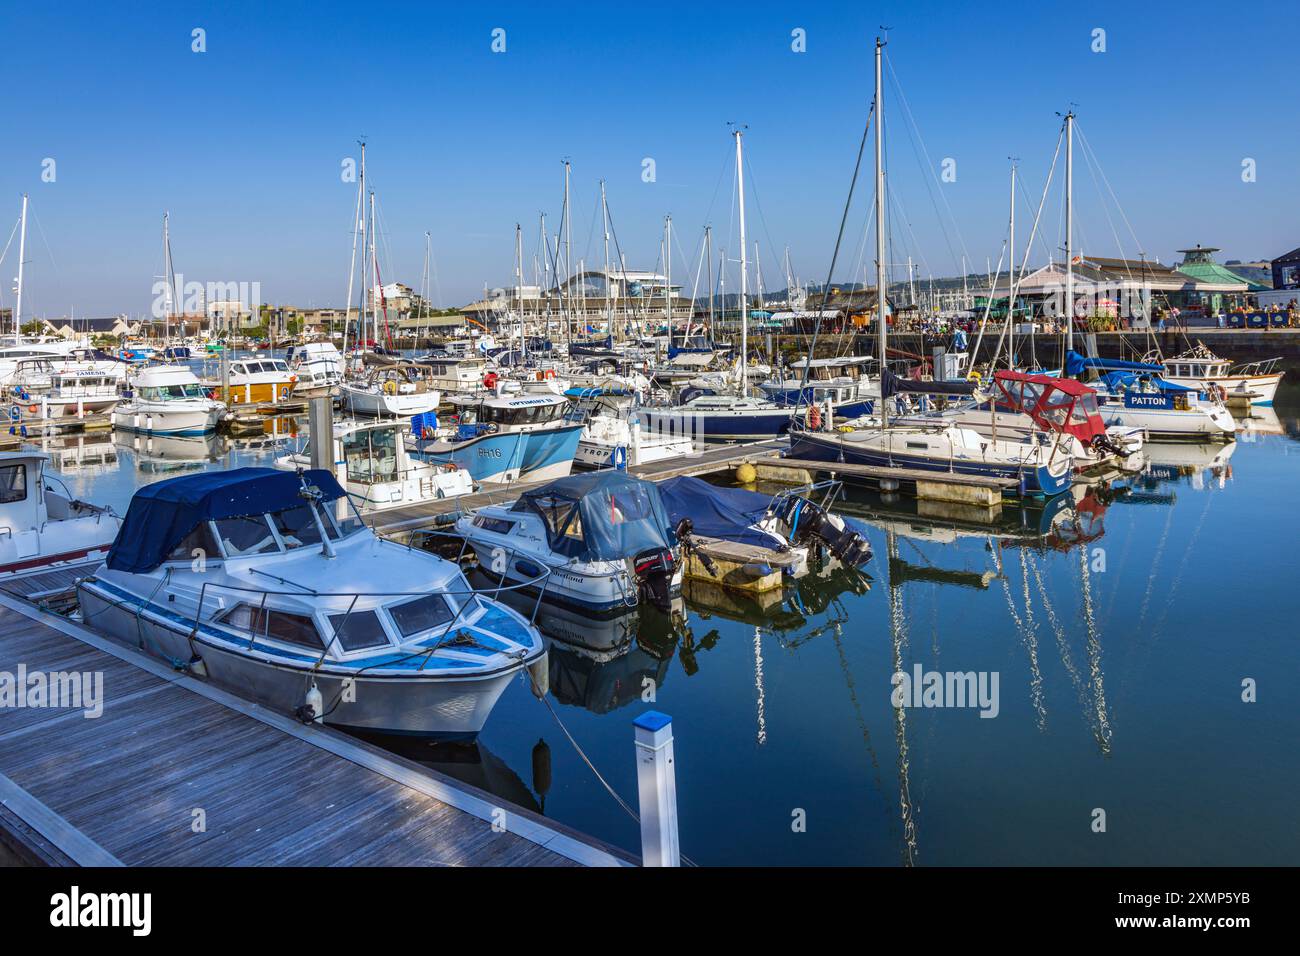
(654, 570)
(809, 521)
(683, 531)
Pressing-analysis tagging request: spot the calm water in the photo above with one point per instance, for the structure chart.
(1120, 627)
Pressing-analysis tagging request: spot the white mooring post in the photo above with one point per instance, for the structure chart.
(657, 789)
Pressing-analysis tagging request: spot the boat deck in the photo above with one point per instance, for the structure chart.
(177, 772)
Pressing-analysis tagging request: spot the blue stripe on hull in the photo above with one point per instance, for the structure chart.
(487, 457)
(1035, 480)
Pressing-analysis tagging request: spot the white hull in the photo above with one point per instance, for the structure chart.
(1199, 422)
(390, 406)
(1257, 389)
(169, 418)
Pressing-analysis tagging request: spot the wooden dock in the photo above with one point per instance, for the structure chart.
(177, 772)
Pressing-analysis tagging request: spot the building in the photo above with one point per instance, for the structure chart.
(590, 295)
(1286, 271)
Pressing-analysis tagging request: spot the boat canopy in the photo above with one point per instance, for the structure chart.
(1055, 404)
(1076, 363)
(892, 384)
(715, 512)
(163, 514)
(601, 516)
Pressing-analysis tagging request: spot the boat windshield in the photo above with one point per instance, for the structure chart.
(371, 455)
(522, 414)
(166, 393)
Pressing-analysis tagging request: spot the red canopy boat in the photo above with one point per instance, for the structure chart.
(1055, 404)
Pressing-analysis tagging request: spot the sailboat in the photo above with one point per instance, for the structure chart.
(1041, 466)
(735, 415)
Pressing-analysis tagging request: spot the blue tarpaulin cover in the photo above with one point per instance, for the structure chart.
(715, 512)
(1076, 363)
(601, 516)
(163, 514)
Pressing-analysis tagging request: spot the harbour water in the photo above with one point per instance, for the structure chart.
(1123, 633)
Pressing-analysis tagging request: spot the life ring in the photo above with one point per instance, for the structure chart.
(390, 387)
(428, 433)
(451, 466)
(33, 409)
(490, 380)
(549, 374)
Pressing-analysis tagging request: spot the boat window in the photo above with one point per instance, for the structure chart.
(358, 630)
(297, 526)
(277, 625)
(341, 519)
(371, 455)
(245, 536)
(497, 525)
(422, 614)
(13, 483)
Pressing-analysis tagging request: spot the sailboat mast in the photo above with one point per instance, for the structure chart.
(568, 258)
(1069, 230)
(744, 264)
(1012, 275)
(668, 275)
(167, 278)
(22, 257)
(372, 279)
(880, 230)
(708, 243)
(604, 224)
(352, 264)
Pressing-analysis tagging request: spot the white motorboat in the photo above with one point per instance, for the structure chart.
(613, 431)
(597, 542)
(319, 368)
(377, 470)
(168, 400)
(45, 529)
(227, 575)
(395, 391)
(1199, 368)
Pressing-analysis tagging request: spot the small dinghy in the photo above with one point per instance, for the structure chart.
(601, 542)
(228, 575)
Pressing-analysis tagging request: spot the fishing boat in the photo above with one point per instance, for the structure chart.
(377, 470)
(600, 542)
(168, 400)
(400, 390)
(455, 374)
(257, 380)
(227, 574)
(319, 368)
(46, 529)
(498, 440)
(136, 353)
(1199, 368)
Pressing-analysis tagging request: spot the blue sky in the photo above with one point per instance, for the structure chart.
(243, 143)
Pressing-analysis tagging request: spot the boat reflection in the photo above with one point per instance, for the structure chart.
(166, 454)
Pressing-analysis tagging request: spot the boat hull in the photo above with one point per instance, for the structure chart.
(158, 419)
(425, 706)
(505, 457)
(829, 447)
(720, 425)
(1257, 389)
(390, 406)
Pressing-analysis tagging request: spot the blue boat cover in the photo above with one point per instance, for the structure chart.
(716, 512)
(163, 514)
(1120, 379)
(1076, 363)
(601, 516)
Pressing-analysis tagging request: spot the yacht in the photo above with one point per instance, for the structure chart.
(1135, 395)
(45, 528)
(600, 543)
(377, 470)
(500, 439)
(228, 575)
(721, 417)
(168, 400)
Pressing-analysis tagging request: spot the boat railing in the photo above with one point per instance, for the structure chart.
(1260, 367)
(301, 589)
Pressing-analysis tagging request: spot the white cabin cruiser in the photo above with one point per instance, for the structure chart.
(319, 368)
(598, 542)
(1199, 368)
(614, 431)
(373, 464)
(224, 574)
(1134, 394)
(44, 529)
(168, 400)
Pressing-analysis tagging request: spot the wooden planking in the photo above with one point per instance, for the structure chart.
(273, 791)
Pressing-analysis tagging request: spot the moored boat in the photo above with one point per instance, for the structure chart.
(168, 400)
(225, 574)
(46, 529)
